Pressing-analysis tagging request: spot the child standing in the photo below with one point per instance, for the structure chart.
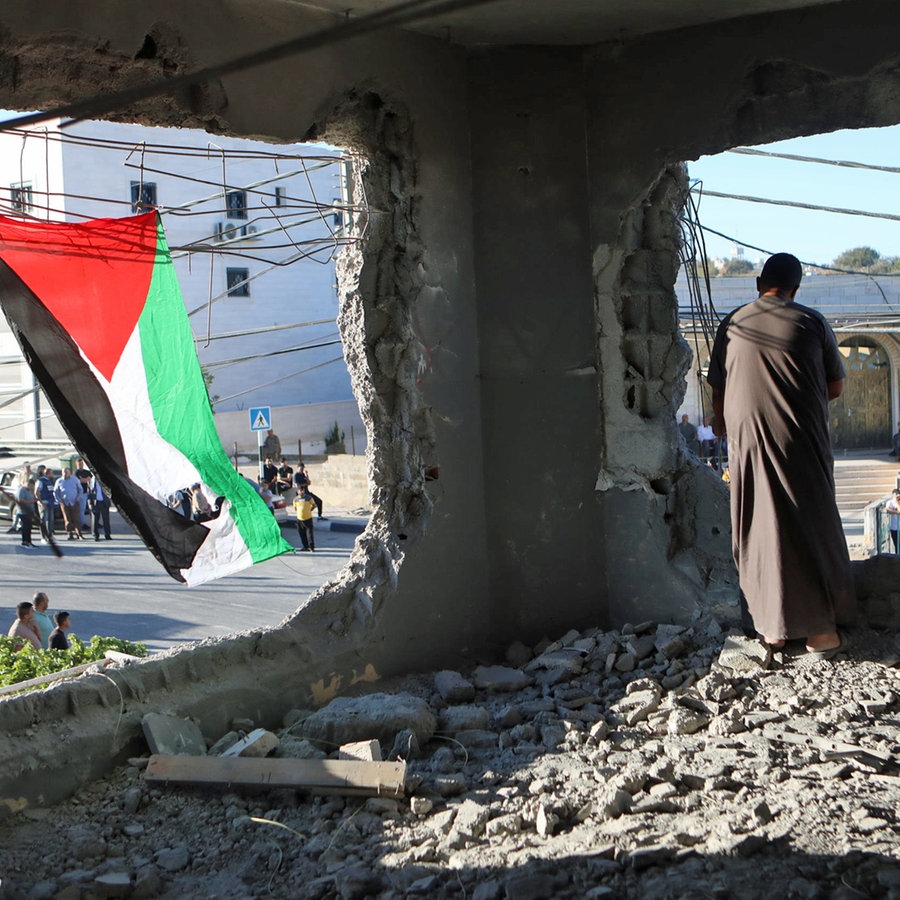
(304, 504)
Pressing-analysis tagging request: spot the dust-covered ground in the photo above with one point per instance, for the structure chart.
(654, 762)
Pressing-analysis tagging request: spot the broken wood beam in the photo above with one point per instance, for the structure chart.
(317, 776)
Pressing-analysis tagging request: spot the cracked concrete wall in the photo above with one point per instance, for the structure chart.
(509, 320)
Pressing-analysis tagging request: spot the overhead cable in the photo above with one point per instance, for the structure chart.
(843, 163)
(832, 209)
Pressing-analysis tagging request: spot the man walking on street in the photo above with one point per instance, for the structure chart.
(67, 491)
(47, 501)
(775, 365)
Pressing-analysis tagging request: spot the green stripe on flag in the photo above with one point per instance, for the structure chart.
(182, 411)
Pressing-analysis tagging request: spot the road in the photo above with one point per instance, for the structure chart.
(118, 588)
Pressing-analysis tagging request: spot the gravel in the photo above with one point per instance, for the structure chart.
(653, 762)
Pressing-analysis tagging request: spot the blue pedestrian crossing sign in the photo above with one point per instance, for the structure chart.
(260, 418)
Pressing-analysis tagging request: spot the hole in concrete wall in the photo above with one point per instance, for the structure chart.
(258, 235)
(849, 258)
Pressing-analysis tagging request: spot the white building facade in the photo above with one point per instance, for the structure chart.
(253, 230)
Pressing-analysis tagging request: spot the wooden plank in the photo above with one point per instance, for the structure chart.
(53, 676)
(318, 776)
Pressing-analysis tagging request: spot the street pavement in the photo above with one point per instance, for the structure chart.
(117, 588)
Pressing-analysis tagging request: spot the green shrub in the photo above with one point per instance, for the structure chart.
(334, 440)
(30, 663)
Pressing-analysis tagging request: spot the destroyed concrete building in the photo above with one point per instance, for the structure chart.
(510, 320)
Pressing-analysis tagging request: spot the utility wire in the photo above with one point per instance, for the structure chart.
(843, 163)
(832, 209)
(393, 16)
(276, 380)
(268, 354)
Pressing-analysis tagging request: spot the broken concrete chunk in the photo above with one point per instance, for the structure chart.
(367, 751)
(462, 718)
(642, 646)
(227, 740)
(500, 678)
(380, 716)
(173, 735)
(450, 785)
(686, 721)
(563, 657)
(453, 687)
(258, 743)
(745, 655)
(295, 748)
(469, 823)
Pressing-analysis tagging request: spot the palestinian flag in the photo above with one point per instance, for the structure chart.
(98, 313)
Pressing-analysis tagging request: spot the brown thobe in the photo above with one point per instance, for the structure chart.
(774, 359)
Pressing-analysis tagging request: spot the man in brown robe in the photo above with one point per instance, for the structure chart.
(775, 366)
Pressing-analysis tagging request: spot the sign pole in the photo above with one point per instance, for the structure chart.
(260, 421)
(259, 446)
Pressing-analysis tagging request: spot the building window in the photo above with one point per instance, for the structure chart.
(236, 204)
(238, 282)
(279, 196)
(20, 197)
(143, 196)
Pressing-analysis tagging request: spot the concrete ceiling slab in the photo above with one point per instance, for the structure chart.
(571, 22)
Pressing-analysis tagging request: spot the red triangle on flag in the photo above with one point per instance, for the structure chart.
(92, 276)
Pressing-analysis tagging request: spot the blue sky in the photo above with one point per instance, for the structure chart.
(813, 236)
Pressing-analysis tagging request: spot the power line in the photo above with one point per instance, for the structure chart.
(267, 354)
(276, 380)
(393, 16)
(843, 163)
(832, 209)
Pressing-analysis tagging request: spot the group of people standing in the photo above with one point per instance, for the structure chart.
(33, 625)
(40, 496)
(703, 442)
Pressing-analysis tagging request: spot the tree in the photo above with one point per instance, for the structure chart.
(737, 266)
(859, 259)
(711, 268)
(334, 440)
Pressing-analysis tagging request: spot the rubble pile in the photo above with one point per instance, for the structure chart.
(659, 761)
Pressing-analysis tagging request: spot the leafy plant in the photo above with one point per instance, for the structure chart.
(27, 663)
(334, 440)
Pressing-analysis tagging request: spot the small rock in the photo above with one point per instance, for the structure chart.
(173, 859)
(453, 687)
(500, 678)
(420, 806)
(450, 785)
(686, 721)
(463, 718)
(112, 884)
(545, 821)
(745, 656)
(366, 751)
(257, 744)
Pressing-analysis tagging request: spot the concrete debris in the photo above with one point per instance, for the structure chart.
(637, 763)
(172, 735)
(258, 743)
(453, 687)
(372, 716)
(369, 751)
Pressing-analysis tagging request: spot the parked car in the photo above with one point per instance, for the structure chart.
(9, 482)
